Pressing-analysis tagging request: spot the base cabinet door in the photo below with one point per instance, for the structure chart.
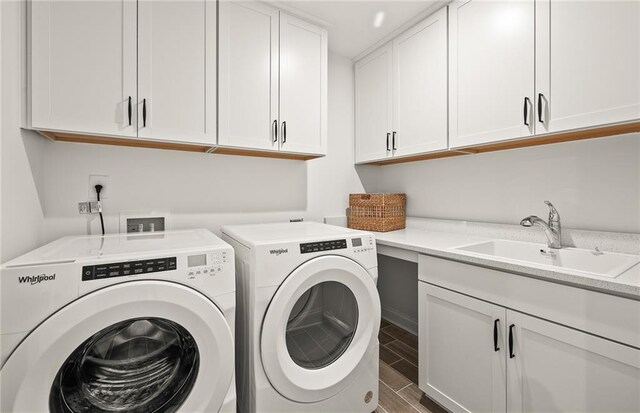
(420, 87)
(177, 70)
(462, 351)
(83, 66)
(552, 368)
(303, 86)
(373, 101)
(587, 63)
(491, 72)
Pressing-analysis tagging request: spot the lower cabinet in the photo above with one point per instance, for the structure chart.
(477, 356)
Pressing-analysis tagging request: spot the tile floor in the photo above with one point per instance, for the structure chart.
(399, 392)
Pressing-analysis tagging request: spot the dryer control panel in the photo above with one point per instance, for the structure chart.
(122, 269)
(309, 247)
(212, 263)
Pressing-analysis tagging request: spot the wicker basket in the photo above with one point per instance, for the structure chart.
(377, 212)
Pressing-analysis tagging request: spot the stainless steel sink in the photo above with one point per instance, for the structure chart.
(601, 264)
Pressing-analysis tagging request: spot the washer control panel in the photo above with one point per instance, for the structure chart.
(309, 247)
(210, 264)
(122, 269)
(363, 244)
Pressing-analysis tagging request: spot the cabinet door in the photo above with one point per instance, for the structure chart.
(374, 85)
(83, 66)
(420, 87)
(460, 364)
(303, 86)
(559, 369)
(176, 70)
(491, 71)
(587, 63)
(248, 75)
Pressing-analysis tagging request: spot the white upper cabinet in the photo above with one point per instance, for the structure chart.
(491, 75)
(303, 86)
(560, 369)
(420, 87)
(272, 80)
(83, 66)
(248, 75)
(587, 63)
(401, 94)
(373, 101)
(177, 70)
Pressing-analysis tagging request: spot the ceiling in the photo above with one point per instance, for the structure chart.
(352, 24)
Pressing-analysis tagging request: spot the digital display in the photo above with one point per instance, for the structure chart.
(356, 242)
(196, 260)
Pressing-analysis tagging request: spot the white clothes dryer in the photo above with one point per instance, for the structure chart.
(308, 318)
(124, 322)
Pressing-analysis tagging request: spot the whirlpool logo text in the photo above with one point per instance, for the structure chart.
(279, 251)
(36, 279)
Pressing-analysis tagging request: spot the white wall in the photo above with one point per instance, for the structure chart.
(21, 151)
(595, 184)
(204, 190)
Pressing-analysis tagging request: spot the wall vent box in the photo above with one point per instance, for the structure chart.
(144, 222)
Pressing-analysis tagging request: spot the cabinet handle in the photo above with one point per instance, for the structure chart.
(275, 130)
(129, 109)
(284, 132)
(511, 355)
(393, 140)
(144, 113)
(388, 135)
(525, 110)
(495, 334)
(540, 97)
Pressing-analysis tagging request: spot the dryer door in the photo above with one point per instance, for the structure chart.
(320, 325)
(142, 346)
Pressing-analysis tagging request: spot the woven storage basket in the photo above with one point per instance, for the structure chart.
(377, 212)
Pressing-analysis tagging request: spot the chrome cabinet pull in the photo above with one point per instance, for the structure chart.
(388, 135)
(495, 335)
(393, 141)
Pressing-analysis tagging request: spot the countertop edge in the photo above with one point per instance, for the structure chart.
(578, 281)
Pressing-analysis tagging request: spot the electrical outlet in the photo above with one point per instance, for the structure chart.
(89, 207)
(84, 207)
(106, 187)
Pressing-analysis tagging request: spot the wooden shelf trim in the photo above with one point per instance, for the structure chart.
(117, 141)
(596, 132)
(176, 146)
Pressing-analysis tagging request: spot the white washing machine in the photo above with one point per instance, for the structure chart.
(308, 318)
(120, 323)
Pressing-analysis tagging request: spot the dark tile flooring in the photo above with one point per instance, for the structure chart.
(399, 392)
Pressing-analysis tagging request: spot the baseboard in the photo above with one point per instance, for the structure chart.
(401, 320)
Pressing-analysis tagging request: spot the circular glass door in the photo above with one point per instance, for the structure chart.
(321, 325)
(320, 329)
(143, 346)
(140, 365)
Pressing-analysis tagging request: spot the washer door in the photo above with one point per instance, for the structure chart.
(320, 324)
(142, 346)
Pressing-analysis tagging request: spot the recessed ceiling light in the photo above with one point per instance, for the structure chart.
(379, 19)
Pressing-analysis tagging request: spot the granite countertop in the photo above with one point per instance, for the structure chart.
(442, 244)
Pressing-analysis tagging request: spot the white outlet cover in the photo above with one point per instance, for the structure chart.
(102, 180)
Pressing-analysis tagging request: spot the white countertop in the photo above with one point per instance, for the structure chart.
(442, 244)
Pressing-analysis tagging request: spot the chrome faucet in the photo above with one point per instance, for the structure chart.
(552, 229)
